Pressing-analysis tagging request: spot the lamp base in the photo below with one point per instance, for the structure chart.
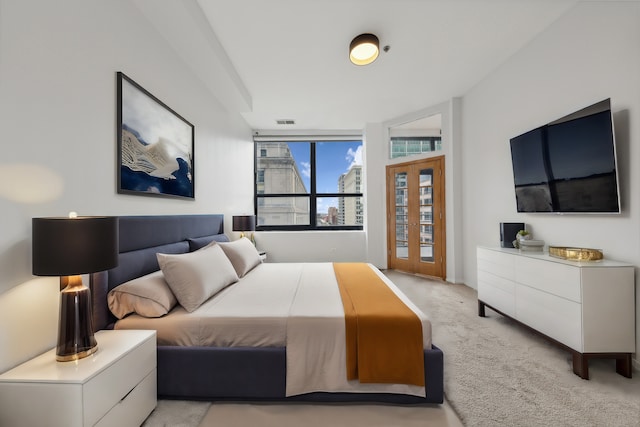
(251, 237)
(75, 329)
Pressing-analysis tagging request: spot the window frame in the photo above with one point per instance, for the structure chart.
(312, 195)
(434, 143)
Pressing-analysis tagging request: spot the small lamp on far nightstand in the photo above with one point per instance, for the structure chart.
(69, 247)
(244, 223)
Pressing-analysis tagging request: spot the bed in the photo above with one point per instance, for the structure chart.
(201, 370)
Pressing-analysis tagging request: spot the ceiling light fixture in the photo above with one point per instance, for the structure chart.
(364, 49)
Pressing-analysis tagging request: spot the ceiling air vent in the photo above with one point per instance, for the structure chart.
(286, 122)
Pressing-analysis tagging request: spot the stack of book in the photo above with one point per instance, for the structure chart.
(531, 245)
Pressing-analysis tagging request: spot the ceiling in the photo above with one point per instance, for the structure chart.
(288, 59)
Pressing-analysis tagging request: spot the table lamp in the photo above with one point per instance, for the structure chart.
(69, 247)
(244, 223)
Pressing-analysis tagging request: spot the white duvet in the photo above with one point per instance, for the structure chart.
(296, 305)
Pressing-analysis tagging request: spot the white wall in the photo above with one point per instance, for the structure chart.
(377, 159)
(589, 54)
(58, 63)
(313, 246)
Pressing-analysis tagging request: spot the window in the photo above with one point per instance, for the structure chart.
(308, 184)
(408, 146)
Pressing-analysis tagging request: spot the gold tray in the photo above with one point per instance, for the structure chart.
(576, 254)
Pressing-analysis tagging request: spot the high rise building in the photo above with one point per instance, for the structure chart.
(277, 173)
(350, 208)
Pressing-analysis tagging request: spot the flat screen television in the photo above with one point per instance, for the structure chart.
(569, 165)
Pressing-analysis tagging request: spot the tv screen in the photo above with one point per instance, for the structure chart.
(569, 165)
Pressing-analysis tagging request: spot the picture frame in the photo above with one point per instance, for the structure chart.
(155, 145)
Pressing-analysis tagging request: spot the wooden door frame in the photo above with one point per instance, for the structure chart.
(438, 198)
(394, 262)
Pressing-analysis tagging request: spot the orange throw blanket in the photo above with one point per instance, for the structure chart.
(384, 336)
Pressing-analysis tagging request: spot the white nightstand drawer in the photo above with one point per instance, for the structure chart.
(134, 408)
(118, 380)
(109, 387)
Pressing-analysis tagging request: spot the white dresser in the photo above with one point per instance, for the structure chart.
(116, 386)
(587, 308)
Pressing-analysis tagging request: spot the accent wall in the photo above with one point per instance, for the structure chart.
(591, 53)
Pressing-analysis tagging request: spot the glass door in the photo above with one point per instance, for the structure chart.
(426, 214)
(399, 250)
(415, 217)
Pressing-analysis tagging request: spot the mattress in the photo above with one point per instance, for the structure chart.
(249, 313)
(293, 305)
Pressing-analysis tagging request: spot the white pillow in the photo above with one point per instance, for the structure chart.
(243, 255)
(196, 276)
(148, 296)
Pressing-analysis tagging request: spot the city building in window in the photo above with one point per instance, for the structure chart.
(350, 211)
(299, 185)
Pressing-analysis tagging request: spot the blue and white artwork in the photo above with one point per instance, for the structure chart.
(155, 145)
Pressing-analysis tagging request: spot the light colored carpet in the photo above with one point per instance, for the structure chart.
(496, 374)
(177, 413)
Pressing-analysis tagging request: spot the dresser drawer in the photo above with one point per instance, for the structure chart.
(497, 291)
(134, 407)
(110, 386)
(500, 264)
(551, 277)
(555, 317)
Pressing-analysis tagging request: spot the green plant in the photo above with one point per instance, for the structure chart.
(523, 233)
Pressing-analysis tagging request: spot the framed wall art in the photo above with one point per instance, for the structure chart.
(155, 145)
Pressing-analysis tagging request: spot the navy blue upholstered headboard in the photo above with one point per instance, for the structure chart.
(140, 238)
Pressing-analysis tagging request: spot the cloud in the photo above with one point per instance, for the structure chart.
(354, 157)
(324, 203)
(306, 169)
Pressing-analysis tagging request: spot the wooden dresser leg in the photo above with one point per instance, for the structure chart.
(624, 366)
(481, 309)
(580, 365)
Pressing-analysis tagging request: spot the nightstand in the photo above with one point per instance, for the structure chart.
(116, 386)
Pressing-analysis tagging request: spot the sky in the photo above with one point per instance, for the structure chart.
(332, 160)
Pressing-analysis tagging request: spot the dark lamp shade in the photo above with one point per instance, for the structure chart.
(72, 246)
(244, 223)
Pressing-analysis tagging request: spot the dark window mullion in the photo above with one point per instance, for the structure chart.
(313, 205)
(255, 181)
(339, 195)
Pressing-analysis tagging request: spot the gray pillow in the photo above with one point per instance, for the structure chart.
(243, 255)
(196, 276)
(148, 296)
(196, 243)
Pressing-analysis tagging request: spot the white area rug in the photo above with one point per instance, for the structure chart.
(324, 415)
